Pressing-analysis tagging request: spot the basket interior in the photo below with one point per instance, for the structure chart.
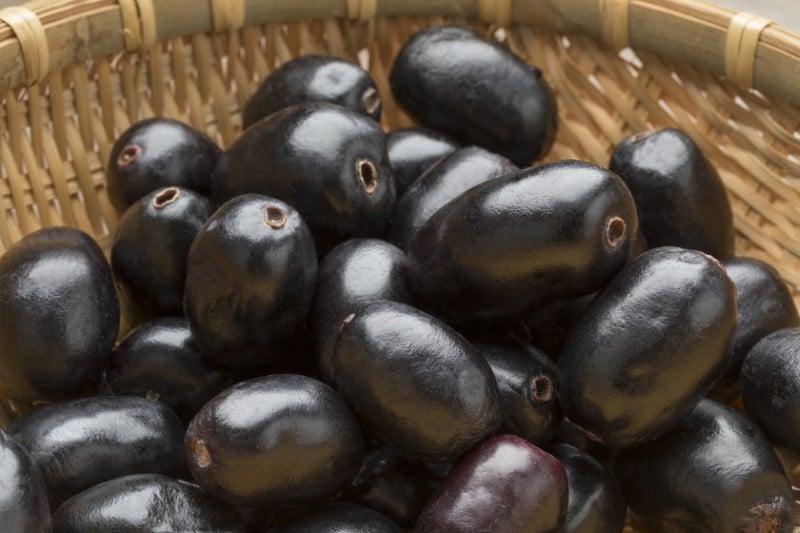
(56, 136)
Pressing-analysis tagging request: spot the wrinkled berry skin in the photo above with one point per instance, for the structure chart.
(771, 386)
(412, 151)
(596, 503)
(353, 274)
(649, 347)
(23, 498)
(452, 80)
(339, 518)
(714, 473)
(445, 181)
(157, 153)
(503, 485)
(414, 382)
(150, 248)
(314, 78)
(250, 280)
(553, 231)
(161, 358)
(764, 305)
(328, 162)
(145, 502)
(279, 439)
(60, 316)
(680, 197)
(81, 443)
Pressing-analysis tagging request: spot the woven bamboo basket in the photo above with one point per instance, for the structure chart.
(77, 73)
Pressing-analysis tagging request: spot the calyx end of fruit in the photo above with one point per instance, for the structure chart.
(615, 231)
(166, 197)
(541, 389)
(371, 100)
(275, 217)
(129, 155)
(367, 175)
(200, 454)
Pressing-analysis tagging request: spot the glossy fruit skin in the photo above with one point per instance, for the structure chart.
(282, 438)
(23, 499)
(771, 386)
(311, 156)
(161, 358)
(451, 79)
(314, 78)
(250, 281)
(393, 485)
(528, 385)
(649, 347)
(60, 316)
(80, 443)
(145, 502)
(165, 153)
(414, 382)
(714, 473)
(765, 305)
(680, 197)
(149, 253)
(553, 231)
(340, 518)
(353, 274)
(444, 182)
(596, 503)
(412, 151)
(503, 485)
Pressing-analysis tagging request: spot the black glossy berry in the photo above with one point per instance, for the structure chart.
(158, 153)
(412, 151)
(161, 360)
(250, 281)
(283, 438)
(80, 443)
(149, 253)
(451, 79)
(23, 497)
(60, 316)
(314, 78)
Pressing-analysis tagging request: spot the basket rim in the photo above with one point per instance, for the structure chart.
(43, 37)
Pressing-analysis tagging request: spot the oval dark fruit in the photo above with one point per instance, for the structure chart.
(60, 316)
(764, 305)
(250, 281)
(314, 78)
(23, 498)
(145, 502)
(596, 503)
(649, 347)
(451, 79)
(160, 360)
(392, 485)
(528, 384)
(328, 162)
(679, 195)
(81, 443)
(771, 386)
(440, 184)
(340, 518)
(554, 231)
(414, 382)
(353, 274)
(150, 248)
(283, 438)
(157, 153)
(412, 151)
(503, 485)
(714, 473)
